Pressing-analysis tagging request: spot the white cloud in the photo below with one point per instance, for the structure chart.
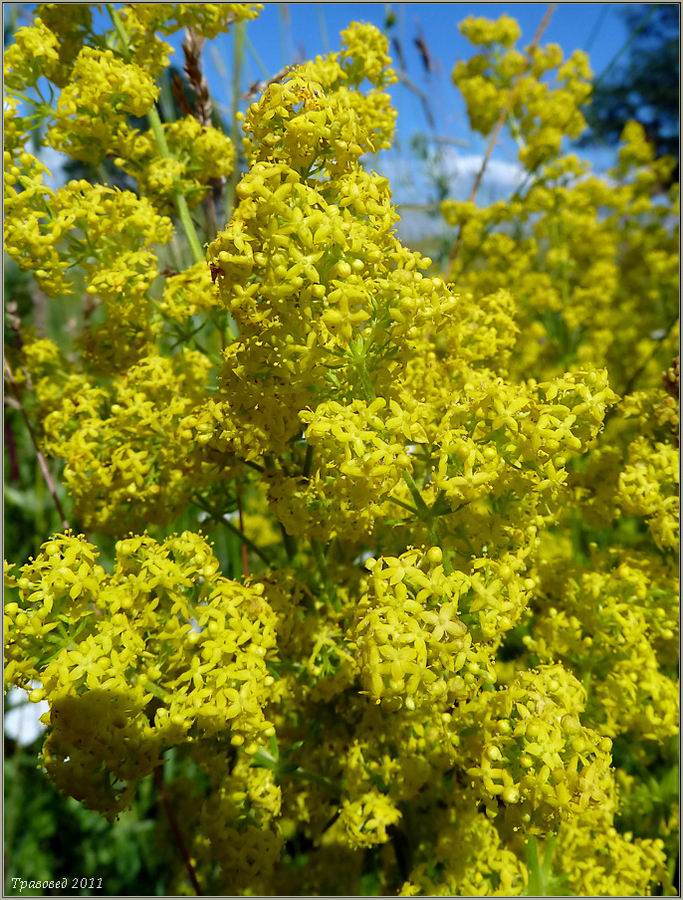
(22, 719)
(500, 175)
(409, 178)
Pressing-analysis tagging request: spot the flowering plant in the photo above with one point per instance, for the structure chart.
(386, 558)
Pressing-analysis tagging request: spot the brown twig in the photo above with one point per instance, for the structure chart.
(502, 118)
(192, 49)
(202, 110)
(42, 462)
(175, 829)
(258, 87)
(425, 56)
(14, 322)
(635, 375)
(178, 91)
(630, 385)
(422, 95)
(398, 52)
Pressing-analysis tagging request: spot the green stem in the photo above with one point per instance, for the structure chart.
(320, 561)
(439, 505)
(289, 542)
(407, 506)
(249, 543)
(541, 879)
(13, 806)
(329, 589)
(253, 465)
(314, 777)
(257, 59)
(156, 690)
(222, 520)
(617, 56)
(162, 147)
(120, 30)
(364, 378)
(179, 197)
(423, 509)
(535, 878)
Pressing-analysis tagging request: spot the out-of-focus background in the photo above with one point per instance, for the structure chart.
(634, 52)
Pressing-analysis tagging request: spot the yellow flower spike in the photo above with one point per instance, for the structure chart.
(99, 79)
(33, 54)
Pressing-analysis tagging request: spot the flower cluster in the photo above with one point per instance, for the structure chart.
(414, 643)
(161, 652)
(197, 154)
(32, 55)
(99, 80)
(531, 751)
(124, 449)
(502, 81)
(469, 859)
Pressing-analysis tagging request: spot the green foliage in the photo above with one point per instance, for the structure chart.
(50, 836)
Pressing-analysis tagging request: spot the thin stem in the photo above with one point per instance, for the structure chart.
(631, 383)
(223, 520)
(179, 197)
(401, 851)
(320, 561)
(42, 462)
(447, 512)
(120, 30)
(324, 782)
(175, 829)
(323, 30)
(411, 509)
(13, 805)
(438, 504)
(422, 508)
(257, 59)
(631, 38)
(422, 95)
(162, 147)
(246, 541)
(545, 21)
(252, 465)
(11, 445)
(419, 207)
(289, 541)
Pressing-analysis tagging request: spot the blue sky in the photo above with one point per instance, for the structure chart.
(284, 30)
(287, 32)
